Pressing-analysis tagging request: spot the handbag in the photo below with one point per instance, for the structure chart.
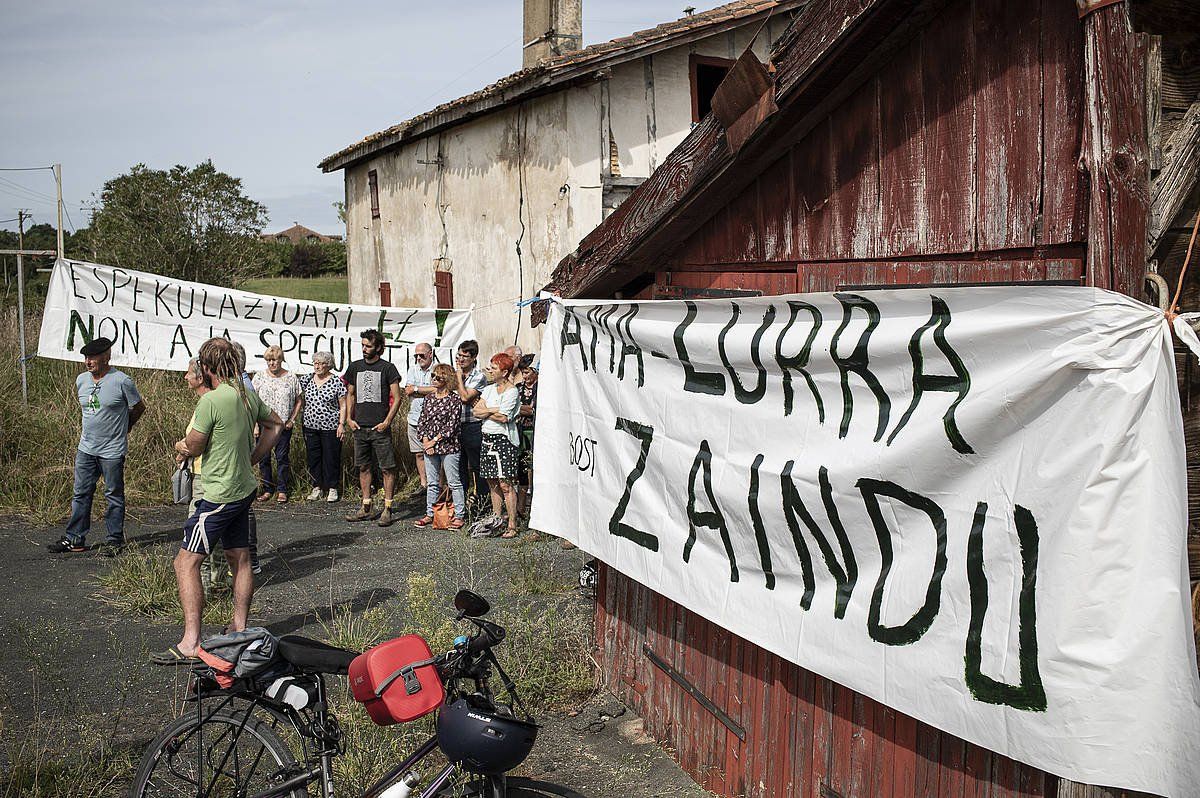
(443, 510)
(181, 482)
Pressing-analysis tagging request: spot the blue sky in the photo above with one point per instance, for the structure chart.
(264, 89)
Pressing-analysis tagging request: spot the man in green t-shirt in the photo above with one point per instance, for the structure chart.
(223, 431)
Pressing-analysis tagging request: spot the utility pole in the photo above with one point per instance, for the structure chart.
(21, 252)
(58, 183)
(21, 301)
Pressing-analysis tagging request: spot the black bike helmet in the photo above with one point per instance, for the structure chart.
(482, 741)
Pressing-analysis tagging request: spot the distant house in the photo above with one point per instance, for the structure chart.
(476, 201)
(298, 234)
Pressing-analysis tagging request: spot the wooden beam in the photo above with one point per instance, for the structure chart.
(1115, 150)
(1174, 184)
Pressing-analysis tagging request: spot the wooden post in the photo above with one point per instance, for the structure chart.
(1115, 157)
(1115, 150)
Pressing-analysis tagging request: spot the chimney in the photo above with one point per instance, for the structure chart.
(551, 27)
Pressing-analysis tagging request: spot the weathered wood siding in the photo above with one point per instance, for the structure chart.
(968, 142)
(807, 737)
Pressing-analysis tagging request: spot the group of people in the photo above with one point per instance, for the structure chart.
(469, 428)
(465, 428)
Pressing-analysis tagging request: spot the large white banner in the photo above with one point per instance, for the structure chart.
(968, 504)
(160, 322)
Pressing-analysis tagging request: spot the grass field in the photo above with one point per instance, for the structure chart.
(321, 289)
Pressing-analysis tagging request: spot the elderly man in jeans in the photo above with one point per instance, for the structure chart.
(111, 405)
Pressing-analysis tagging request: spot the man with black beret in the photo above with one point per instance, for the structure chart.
(111, 405)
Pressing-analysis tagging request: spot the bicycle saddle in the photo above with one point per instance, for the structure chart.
(314, 656)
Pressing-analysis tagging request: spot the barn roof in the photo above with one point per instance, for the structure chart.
(559, 71)
(829, 49)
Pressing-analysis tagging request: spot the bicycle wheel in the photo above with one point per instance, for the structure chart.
(510, 787)
(233, 764)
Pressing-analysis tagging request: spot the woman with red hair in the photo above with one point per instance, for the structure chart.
(498, 406)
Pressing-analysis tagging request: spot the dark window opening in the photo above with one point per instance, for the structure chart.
(385, 294)
(706, 75)
(373, 184)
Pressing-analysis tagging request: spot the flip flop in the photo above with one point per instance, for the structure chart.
(510, 534)
(173, 656)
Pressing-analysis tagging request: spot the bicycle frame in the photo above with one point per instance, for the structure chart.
(322, 773)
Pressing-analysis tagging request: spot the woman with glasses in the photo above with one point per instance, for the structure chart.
(438, 429)
(324, 423)
(498, 407)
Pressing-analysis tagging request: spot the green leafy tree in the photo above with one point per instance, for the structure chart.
(192, 223)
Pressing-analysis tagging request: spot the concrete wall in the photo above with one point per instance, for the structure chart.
(540, 163)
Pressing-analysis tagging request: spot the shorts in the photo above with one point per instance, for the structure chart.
(374, 448)
(209, 523)
(498, 459)
(414, 440)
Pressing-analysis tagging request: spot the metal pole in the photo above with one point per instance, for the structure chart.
(21, 303)
(58, 182)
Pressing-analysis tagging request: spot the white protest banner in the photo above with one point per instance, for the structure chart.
(160, 322)
(967, 504)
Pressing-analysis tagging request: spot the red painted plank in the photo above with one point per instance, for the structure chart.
(1062, 80)
(812, 175)
(736, 708)
(842, 739)
(802, 737)
(745, 226)
(776, 202)
(903, 221)
(948, 58)
(855, 169)
(904, 757)
(976, 775)
(719, 678)
(1008, 122)
(928, 760)
(882, 782)
(952, 756)
(863, 744)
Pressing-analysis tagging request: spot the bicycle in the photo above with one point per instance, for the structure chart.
(235, 749)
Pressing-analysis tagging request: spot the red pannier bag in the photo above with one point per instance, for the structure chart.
(396, 681)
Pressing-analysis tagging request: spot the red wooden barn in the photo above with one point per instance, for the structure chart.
(889, 142)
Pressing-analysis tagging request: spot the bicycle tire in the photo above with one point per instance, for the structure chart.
(168, 768)
(512, 787)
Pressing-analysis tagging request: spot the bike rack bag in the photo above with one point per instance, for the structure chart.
(396, 681)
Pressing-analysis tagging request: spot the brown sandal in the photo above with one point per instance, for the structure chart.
(511, 533)
(423, 521)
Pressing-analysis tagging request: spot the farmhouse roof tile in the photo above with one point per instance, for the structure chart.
(551, 72)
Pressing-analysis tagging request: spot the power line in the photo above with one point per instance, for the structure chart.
(33, 193)
(69, 221)
(24, 168)
(466, 72)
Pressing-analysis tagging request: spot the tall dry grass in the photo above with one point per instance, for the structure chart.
(38, 440)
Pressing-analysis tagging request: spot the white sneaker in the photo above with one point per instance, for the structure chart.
(333, 495)
(315, 496)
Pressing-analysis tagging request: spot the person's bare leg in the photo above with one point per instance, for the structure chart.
(191, 598)
(364, 484)
(420, 458)
(497, 498)
(389, 485)
(243, 586)
(510, 501)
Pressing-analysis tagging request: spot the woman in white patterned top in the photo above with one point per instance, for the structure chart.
(279, 390)
(324, 423)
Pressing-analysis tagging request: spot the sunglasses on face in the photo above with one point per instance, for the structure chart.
(420, 356)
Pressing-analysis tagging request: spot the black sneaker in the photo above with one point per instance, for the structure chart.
(255, 567)
(65, 546)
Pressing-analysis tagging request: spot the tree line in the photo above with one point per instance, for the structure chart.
(192, 223)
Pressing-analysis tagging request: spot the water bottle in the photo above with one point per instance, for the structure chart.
(402, 788)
